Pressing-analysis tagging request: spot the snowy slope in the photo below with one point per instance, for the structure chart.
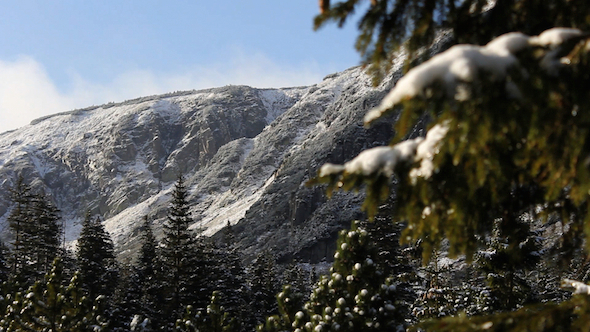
(240, 149)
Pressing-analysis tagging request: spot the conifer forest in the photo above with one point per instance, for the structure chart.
(477, 212)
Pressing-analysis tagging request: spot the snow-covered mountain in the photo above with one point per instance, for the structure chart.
(246, 154)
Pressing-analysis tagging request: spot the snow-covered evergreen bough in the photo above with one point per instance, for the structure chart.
(509, 136)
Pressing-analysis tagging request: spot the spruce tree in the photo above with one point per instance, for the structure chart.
(4, 265)
(386, 25)
(180, 255)
(229, 238)
(52, 306)
(147, 262)
(96, 259)
(264, 285)
(126, 299)
(296, 277)
(46, 232)
(290, 303)
(149, 274)
(5, 286)
(227, 278)
(19, 222)
(356, 296)
(507, 139)
(35, 226)
(214, 319)
(11, 320)
(505, 267)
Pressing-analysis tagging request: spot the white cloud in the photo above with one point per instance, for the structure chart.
(27, 92)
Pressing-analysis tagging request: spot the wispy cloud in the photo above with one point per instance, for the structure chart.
(27, 92)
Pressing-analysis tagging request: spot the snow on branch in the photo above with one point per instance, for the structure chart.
(579, 287)
(427, 150)
(553, 40)
(383, 160)
(461, 64)
(555, 37)
(378, 160)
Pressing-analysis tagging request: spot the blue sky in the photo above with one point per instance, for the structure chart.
(58, 55)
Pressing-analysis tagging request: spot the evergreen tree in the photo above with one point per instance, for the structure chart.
(44, 244)
(180, 255)
(569, 316)
(290, 303)
(506, 265)
(229, 238)
(149, 273)
(215, 319)
(507, 139)
(356, 296)
(69, 262)
(5, 286)
(296, 277)
(13, 314)
(443, 289)
(126, 299)
(19, 221)
(147, 262)
(35, 227)
(227, 278)
(385, 25)
(51, 306)
(264, 285)
(96, 259)
(4, 265)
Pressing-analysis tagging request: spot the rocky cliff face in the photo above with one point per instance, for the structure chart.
(246, 154)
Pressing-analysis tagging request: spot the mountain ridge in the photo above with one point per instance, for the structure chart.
(245, 152)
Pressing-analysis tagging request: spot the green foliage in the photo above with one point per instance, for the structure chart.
(19, 222)
(51, 306)
(184, 258)
(35, 226)
(227, 277)
(534, 156)
(297, 278)
(385, 25)
(264, 286)
(45, 234)
(96, 259)
(356, 296)
(535, 147)
(505, 263)
(148, 275)
(4, 264)
(214, 320)
(290, 302)
(179, 245)
(515, 147)
(568, 316)
(148, 261)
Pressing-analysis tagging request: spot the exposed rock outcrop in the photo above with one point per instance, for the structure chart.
(246, 154)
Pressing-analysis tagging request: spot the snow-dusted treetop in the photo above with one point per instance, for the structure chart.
(461, 63)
